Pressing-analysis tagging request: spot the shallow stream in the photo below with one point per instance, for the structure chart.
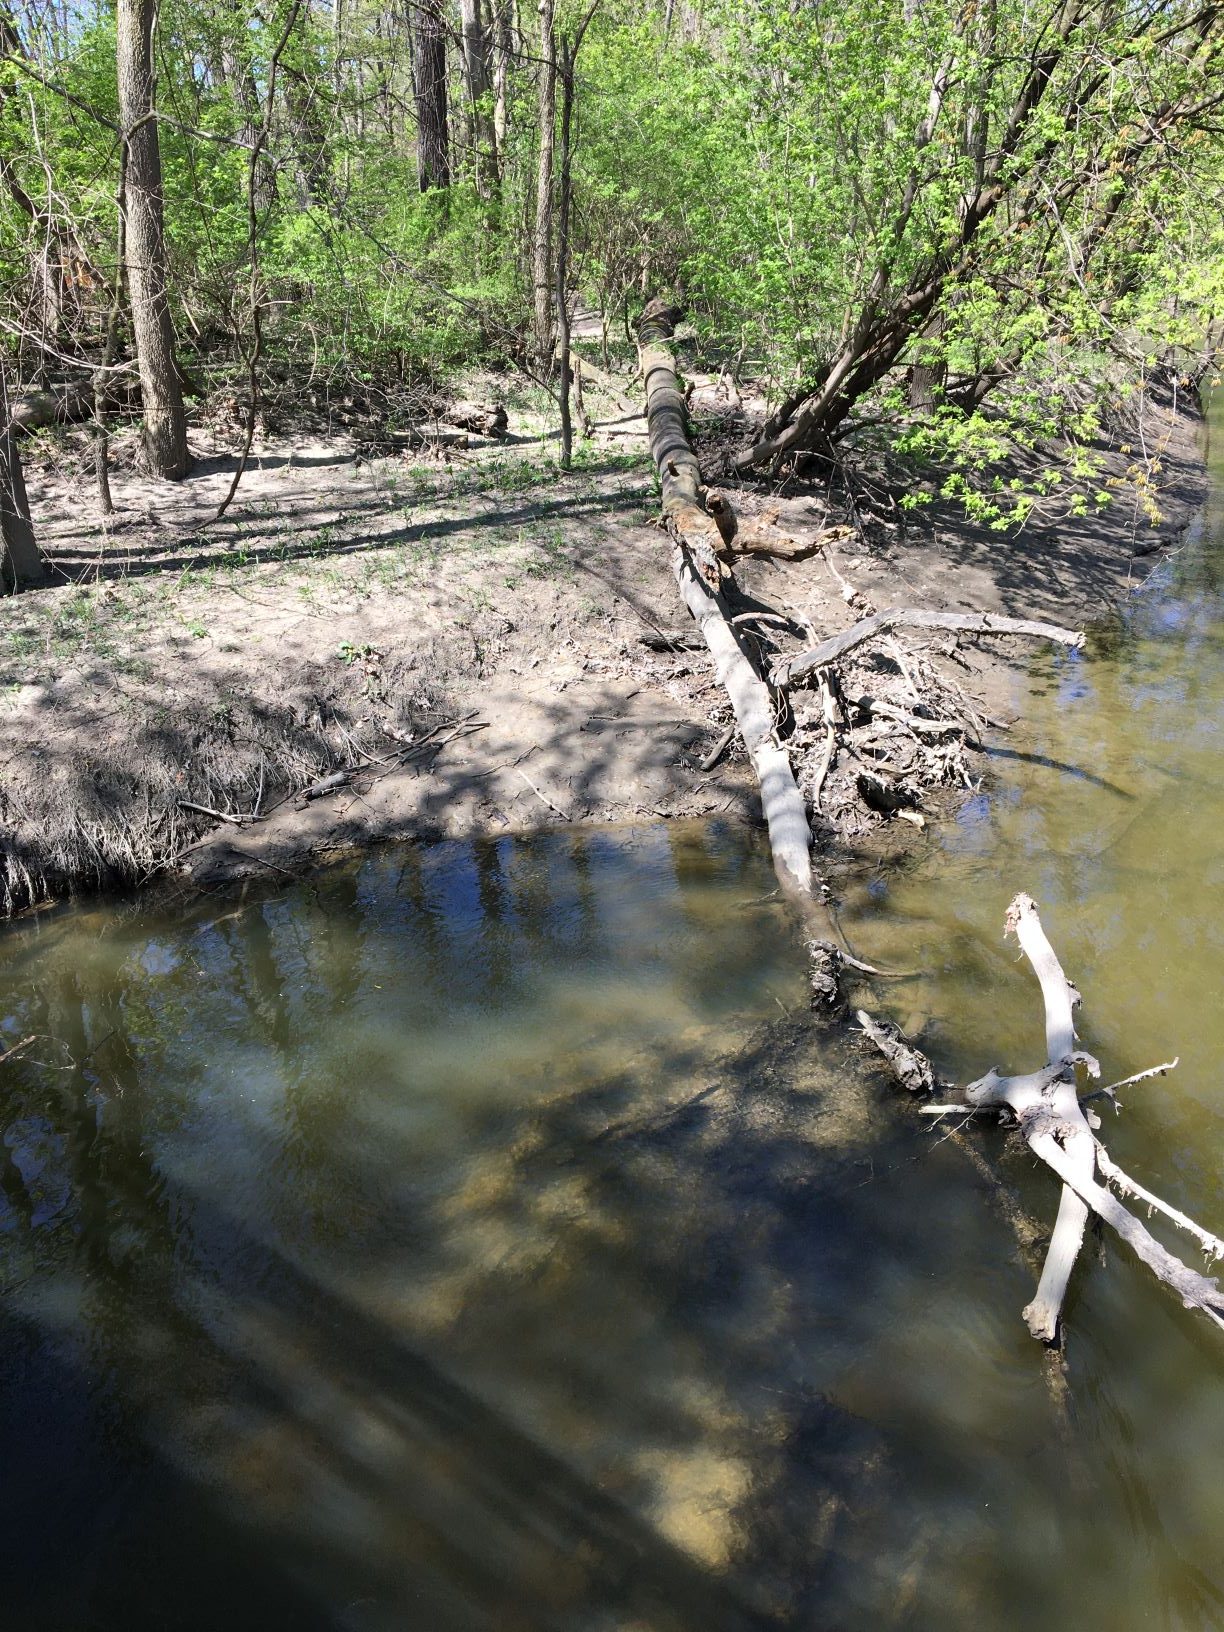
(482, 1237)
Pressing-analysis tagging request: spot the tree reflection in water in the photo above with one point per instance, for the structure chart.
(469, 1241)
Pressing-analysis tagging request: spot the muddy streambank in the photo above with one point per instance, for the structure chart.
(370, 649)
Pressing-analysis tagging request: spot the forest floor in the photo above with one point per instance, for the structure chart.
(457, 642)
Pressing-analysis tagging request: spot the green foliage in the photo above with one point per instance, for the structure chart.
(799, 172)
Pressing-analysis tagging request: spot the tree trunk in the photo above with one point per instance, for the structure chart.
(503, 47)
(429, 89)
(22, 565)
(477, 90)
(566, 57)
(309, 144)
(542, 246)
(241, 81)
(929, 373)
(165, 422)
(698, 541)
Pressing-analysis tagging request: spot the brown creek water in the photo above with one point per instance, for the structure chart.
(482, 1237)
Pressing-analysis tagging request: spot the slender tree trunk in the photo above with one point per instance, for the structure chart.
(101, 434)
(21, 563)
(503, 48)
(929, 374)
(310, 158)
(477, 90)
(429, 89)
(165, 422)
(241, 81)
(542, 246)
(566, 54)
(60, 266)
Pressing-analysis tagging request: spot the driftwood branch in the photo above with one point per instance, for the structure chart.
(1055, 1128)
(1051, 1119)
(789, 670)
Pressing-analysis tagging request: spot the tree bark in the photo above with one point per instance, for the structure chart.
(698, 539)
(477, 90)
(566, 56)
(503, 46)
(546, 119)
(23, 565)
(429, 90)
(165, 422)
(929, 372)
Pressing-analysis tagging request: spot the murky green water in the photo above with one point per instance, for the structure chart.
(481, 1237)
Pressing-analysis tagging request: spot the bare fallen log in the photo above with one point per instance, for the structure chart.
(62, 405)
(1048, 1111)
(698, 539)
(789, 670)
(888, 753)
(35, 410)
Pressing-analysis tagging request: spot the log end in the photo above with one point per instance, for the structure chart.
(1042, 1322)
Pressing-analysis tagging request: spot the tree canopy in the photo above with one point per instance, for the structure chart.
(874, 206)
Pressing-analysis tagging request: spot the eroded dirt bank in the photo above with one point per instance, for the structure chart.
(453, 645)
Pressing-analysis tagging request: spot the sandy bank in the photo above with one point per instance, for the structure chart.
(347, 611)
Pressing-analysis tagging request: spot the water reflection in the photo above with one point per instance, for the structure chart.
(482, 1237)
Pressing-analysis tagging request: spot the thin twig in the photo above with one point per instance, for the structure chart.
(221, 815)
(719, 749)
(564, 815)
(17, 1048)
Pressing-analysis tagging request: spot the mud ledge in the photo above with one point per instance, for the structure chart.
(346, 613)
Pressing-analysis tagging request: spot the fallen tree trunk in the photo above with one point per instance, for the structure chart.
(1049, 1113)
(706, 532)
(68, 404)
(698, 540)
(485, 418)
(35, 410)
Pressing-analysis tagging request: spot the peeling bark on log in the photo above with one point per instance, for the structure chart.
(698, 539)
(909, 1065)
